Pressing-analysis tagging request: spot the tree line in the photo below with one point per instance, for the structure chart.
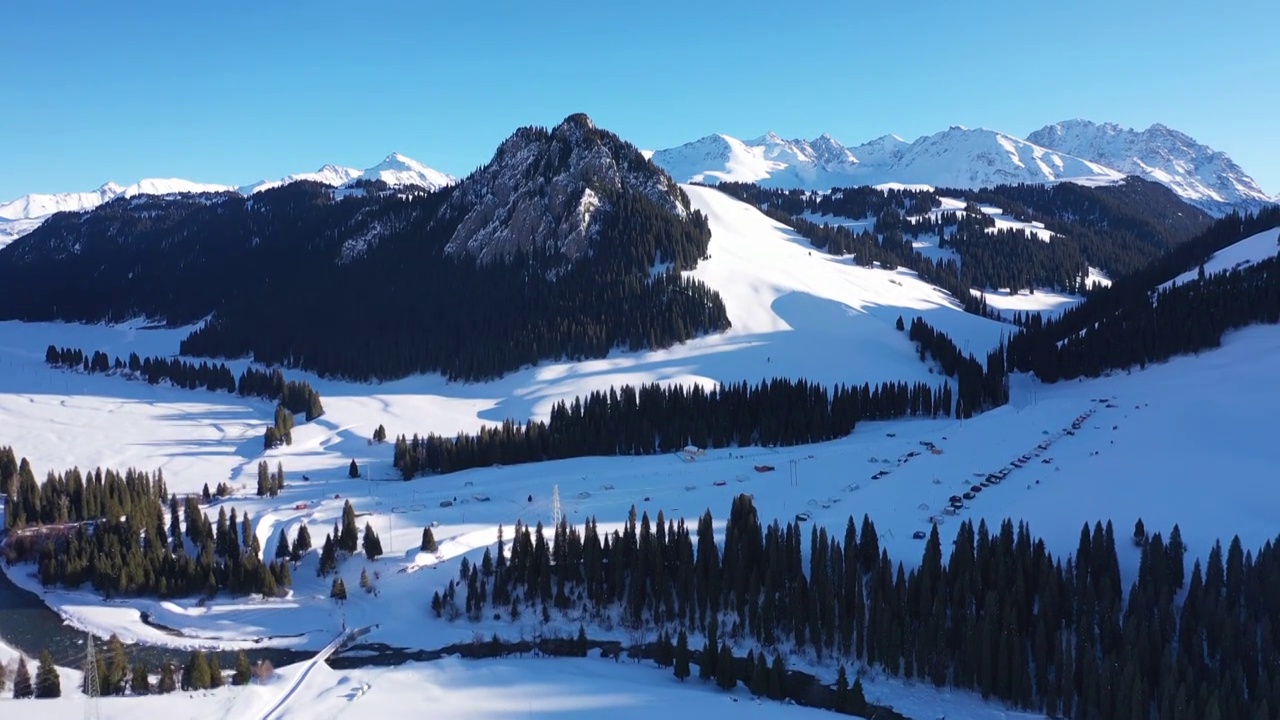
(1001, 616)
(296, 396)
(117, 676)
(1134, 322)
(109, 530)
(659, 419)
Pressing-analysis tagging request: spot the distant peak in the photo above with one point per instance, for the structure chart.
(111, 187)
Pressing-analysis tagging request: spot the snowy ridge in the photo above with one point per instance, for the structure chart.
(1204, 177)
(21, 216)
(1077, 151)
(958, 157)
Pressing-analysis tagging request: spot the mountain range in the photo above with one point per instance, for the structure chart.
(21, 216)
(1077, 150)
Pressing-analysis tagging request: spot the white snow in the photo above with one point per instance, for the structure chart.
(1199, 174)
(21, 216)
(959, 157)
(1184, 442)
(1255, 248)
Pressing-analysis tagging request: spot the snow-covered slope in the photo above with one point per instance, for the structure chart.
(21, 216)
(398, 170)
(1253, 249)
(1201, 175)
(335, 175)
(957, 157)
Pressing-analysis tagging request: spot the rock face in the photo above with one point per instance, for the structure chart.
(1202, 176)
(543, 192)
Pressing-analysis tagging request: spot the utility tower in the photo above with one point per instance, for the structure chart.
(90, 679)
(555, 508)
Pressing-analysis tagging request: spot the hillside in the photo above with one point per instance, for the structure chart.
(423, 293)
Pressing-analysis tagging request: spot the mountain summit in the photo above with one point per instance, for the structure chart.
(1199, 174)
(544, 190)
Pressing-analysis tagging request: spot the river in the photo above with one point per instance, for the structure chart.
(29, 626)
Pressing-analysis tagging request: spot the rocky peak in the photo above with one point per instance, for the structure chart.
(544, 192)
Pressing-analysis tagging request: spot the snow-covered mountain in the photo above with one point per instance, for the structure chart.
(1199, 174)
(957, 157)
(21, 216)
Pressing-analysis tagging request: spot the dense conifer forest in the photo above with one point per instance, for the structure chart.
(109, 530)
(1133, 323)
(295, 396)
(998, 614)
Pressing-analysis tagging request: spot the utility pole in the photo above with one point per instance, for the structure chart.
(90, 679)
(555, 508)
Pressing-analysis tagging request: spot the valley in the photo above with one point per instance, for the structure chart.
(1133, 444)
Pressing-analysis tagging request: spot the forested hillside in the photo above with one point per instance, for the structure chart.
(1118, 229)
(371, 282)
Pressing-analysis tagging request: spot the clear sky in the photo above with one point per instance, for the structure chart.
(232, 92)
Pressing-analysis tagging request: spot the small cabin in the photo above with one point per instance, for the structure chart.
(918, 535)
(446, 503)
(764, 468)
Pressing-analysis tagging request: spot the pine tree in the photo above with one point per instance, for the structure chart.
(338, 590)
(353, 471)
(117, 666)
(140, 683)
(282, 546)
(349, 538)
(328, 557)
(301, 543)
(682, 669)
(759, 682)
(168, 682)
(47, 683)
(371, 545)
(726, 678)
(842, 690)
(1139, 533)
(244, 671)
(428, 540)
(198, 666)
(857, 699)
(264, 479)
(777, 678)
(215, 673)
(22, 681)
(4, 677)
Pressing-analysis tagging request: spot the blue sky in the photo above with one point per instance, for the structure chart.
(232, 92)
